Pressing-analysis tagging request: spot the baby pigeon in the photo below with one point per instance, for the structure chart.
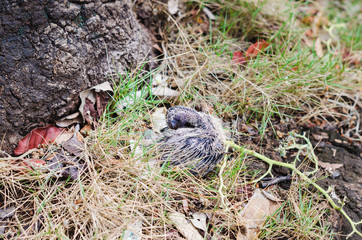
(193, 139)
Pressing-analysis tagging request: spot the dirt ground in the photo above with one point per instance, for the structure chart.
(330, 147)
(336, 149)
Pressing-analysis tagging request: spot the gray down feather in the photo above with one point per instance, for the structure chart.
(194, 140)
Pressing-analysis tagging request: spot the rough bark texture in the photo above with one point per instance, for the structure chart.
(50, 50)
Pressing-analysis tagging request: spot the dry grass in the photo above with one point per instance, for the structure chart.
(302, 212)
(120, 188)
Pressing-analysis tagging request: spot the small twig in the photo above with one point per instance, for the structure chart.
(222, 196)
(5, 153)
(22, 156)
(302, 175)
(275, 180)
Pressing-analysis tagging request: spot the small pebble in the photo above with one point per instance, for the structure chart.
(335, 174)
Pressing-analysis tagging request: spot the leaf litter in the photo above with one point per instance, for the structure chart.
(91, 111)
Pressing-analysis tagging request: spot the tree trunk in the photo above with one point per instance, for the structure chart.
(50, 50)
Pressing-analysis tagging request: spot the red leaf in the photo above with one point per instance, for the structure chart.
(238, 58)
(255, 48)
(38, 136)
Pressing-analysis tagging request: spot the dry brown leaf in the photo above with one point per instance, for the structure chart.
(185, 227)
(179, 82)
(69, 120)
(199, 221)
(158, 119)
(271, 196)
(86, 129)
(330, 167)
(280, 134)
(159, 80)
(307, 41)
(165, 92)
(64, 136)
(90, 96)
(255, 213)
(7, 212)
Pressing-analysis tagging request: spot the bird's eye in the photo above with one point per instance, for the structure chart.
(174, 124)
(177, 122)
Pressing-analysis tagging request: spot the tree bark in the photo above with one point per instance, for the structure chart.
(50, 50)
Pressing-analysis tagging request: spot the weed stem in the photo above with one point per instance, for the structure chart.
(302, 175)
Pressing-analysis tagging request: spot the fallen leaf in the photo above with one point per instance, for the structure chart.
(330, 167)
(165, 92)
(74, 146)
(86, 129)
(93, 101)
(199, 221)
(271, 196)
(280, 134)
(158, 119)
(40, 135)
(64, 165)
(90, 112)
(64, 136)
(69, 163)
(255, 213)
(102, 99)
(69, 120)
(179, 82)
(255, 48)
(159, 80)
(238, 58)
(307, 41)
(172, 6)
(320, 136)
(137, 151)
(309, 33)
(7, 212)
(185, 227)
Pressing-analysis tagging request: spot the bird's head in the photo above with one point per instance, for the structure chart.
(178, 121)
